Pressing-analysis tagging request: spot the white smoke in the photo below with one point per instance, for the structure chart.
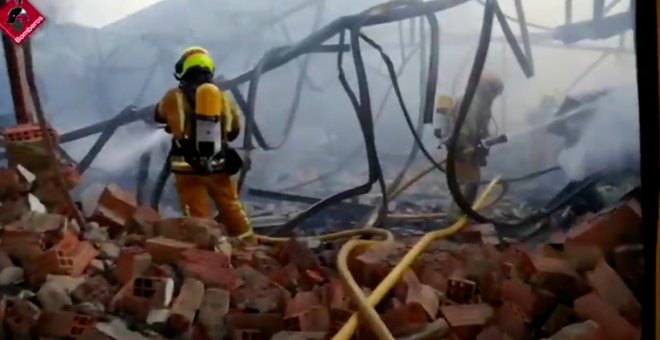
(55, 11)
(609, 140)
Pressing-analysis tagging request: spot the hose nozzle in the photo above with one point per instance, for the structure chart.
(495, 140)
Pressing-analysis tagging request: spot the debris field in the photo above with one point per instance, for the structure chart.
(130, 274)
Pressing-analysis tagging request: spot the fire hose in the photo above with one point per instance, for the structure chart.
(490, 9)
(366, 304)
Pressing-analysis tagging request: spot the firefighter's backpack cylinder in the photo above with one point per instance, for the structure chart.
(442, 123)
(209, 105)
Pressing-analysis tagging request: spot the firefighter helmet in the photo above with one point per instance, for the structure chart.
(193, 58)
(492, 84)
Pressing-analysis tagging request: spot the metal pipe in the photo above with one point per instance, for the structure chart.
(16, 74)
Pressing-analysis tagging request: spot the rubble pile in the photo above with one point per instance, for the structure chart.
(130, 274)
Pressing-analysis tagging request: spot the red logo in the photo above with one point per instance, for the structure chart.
(19, 19)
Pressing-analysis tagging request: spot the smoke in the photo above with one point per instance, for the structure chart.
(609, 141)
(123, 150)
(55, 11)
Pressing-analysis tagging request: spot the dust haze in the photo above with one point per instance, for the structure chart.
(130, 62)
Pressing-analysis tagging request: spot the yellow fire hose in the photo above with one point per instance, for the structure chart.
(366, 304)
(383, 234)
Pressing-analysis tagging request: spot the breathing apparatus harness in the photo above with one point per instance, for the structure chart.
(444, 126)
(205, 146)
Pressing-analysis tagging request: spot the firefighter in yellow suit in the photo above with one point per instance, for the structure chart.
(473, 132)
(180, 110)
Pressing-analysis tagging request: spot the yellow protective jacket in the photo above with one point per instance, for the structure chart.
(475, 126)
(175, 111)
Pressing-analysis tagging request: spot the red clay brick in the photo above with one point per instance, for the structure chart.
(186, 304)
(556, 276)
(608, 228)
(517, 263)
(206, 257)
(614, 291)
(316, 319)
(301, 303)
(286, 276)
(593, 307)
(67, 244)
(513, 320)
(21, 317)
(297, 253)
(460, 291)
(166, 251)
(50, 262)
(406, 319)
(466, 321)
(493, 333)
(266, 324)
(132, 262)
(142, 221)
(63, 324)
(559, 318)
(82, 256)
(224, 278)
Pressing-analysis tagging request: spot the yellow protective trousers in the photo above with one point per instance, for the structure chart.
(468, 176)
(195, 190)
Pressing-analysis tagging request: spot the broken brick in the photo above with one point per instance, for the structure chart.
(405, 319)
(299, 254)
(337, 295)
(142, 221)
(466, 321)
(460, 291)
(556, 276)
(612, 289)
(5, 261)
(157, 291)
(263, 300)
(82, 256)
(194, 230)
(286, 276)
(493, 333)
(21, 317)
(424, 295)
(64, 324)
(593, 307)
(186, 304)
(513, 320)
(166, 251)
(300, 304)
(50, 262)
(559, 318)
(629, 264)
(94, 289)
(607, 229)
(21, 244)
(212, 312)
(263, 325)
(114, 209)
(316, 319)
(587, 330)
(372, 266)
(132, 261)
(223, 278)
(206, 257)
(515, 262)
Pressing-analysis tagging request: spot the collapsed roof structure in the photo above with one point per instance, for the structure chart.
(137, 259)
